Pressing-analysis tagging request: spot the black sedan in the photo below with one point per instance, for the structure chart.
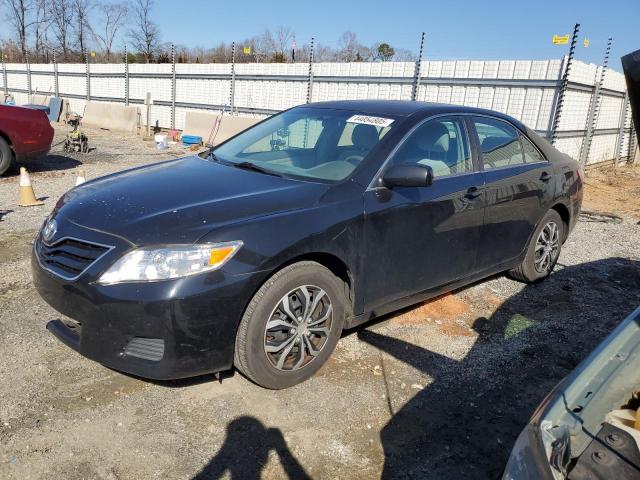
(261, 251)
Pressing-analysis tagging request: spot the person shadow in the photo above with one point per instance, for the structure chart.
(464, 423)
(246, 450)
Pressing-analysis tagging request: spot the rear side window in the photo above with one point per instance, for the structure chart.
(531, 153)
(499, 143)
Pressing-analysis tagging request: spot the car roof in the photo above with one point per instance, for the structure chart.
(405, 108)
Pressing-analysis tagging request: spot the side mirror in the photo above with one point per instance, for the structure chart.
(415, 175)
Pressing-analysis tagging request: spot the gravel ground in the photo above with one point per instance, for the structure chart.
(437, 391)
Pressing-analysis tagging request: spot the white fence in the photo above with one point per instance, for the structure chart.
(526, 90)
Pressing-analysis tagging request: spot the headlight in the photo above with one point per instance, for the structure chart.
(151, 264)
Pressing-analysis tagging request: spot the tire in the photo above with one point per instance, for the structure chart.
(6, 156)
(294, 362)
(533, 268)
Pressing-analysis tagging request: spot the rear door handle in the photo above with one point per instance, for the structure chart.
(545, 177)
(473, 192)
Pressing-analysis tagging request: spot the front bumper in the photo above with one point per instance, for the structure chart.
(158, 330)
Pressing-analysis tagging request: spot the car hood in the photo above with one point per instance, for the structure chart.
(181, 200)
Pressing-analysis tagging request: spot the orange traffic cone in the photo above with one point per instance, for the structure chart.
(81, 178)
(27, 197)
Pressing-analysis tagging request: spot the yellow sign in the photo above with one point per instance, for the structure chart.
(560, 39)
(93, 54)
(585, 42)
(246, 50)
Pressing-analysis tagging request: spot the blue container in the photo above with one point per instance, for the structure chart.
(191, 140)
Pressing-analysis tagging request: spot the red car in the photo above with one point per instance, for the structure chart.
(24, 134)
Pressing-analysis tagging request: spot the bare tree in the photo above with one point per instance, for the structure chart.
(112, 16)
(348, 45)
(19, 15)
(40, 28)
(350, 50)
(145, 34)
(274, 45)
(323, 53)
(82, 26)
(404, 55)
(62, 16)
(283, 38)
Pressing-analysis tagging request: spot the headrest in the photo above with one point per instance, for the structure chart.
(433, 137)
(364, 136)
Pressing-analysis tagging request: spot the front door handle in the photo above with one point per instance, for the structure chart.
(473, 192)
(545, 177)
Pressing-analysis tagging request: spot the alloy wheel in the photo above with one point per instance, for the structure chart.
(298, 327)
(547, 248)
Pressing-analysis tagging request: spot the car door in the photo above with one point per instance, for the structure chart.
(517, 190)
(418, 238)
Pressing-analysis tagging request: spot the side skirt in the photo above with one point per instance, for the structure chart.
(426, 295)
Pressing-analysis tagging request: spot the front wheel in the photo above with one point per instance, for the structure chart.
(291, 326)
(543, 250)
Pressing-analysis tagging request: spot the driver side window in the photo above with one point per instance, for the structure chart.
(440, 143)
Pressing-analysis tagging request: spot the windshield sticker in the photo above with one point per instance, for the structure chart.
(369, 120)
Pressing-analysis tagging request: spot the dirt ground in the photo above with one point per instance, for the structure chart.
(440, 390)
(613, 190)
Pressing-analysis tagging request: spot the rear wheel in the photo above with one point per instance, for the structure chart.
(6, 156)
(543, 250)
(291, 326)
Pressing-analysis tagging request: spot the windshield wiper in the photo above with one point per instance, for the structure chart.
(255, 168)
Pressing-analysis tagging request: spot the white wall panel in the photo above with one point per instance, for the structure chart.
(532, 104)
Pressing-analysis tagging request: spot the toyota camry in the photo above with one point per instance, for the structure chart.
(259, 252)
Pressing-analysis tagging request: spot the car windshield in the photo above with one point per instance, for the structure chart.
(309, 143)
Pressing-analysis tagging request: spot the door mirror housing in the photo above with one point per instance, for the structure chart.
(415, 175)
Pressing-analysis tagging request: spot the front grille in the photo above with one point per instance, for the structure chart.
(69, 257)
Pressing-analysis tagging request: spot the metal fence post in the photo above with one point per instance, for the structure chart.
(126, 76)
(564, 84)
(232, 91)
(88, 71)
(310, 76)
(621, 125)
(4, 75)
(173, 86)
(594, 110)
(417, 72)
(632, 142)
(56, 85)
(147, 103)
(26, 59)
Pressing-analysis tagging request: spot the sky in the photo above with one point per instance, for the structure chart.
(455, 29)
